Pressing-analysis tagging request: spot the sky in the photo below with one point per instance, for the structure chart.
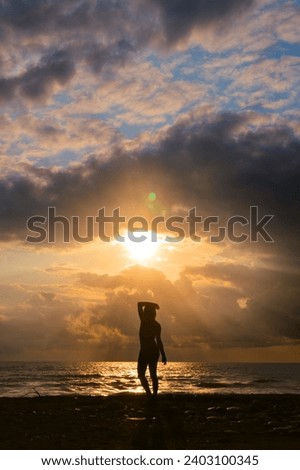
(152, 108)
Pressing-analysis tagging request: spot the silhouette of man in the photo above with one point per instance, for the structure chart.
(151, 346)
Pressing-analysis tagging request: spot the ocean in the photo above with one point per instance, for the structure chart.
(106, 378)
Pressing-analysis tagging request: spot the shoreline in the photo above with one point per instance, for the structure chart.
(129, 421)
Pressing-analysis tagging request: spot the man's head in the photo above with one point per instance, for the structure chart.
(149, 312)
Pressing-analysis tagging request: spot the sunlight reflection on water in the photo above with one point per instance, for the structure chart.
(107, 378)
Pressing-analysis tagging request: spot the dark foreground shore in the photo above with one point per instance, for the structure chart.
(129, 422)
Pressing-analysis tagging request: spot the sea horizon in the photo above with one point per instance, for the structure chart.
(169, 362)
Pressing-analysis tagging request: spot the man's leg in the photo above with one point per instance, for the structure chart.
(153, 375)
(142, 367)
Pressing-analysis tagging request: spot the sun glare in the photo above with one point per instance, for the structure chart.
(143, 250)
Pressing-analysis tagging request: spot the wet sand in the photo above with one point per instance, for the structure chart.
(130, 422)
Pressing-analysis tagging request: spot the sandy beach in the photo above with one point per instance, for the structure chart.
(130, 422)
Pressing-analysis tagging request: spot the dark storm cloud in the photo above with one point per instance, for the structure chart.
(7, 88)
(180, 17)
(58, 67)
(35, 17)
(115, 54)
(40, 16)
(38, 81)
(224, 167)
(219, 164)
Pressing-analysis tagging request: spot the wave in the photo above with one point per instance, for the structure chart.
(222, 384)
(111, 378)
(264, 381)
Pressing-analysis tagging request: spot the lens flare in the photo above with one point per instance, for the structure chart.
(152, 197)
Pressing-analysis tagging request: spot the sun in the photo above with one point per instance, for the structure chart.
(142, 250)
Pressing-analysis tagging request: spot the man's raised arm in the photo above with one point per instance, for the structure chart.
(141, 306)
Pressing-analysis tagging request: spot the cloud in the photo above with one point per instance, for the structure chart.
(56, 68)
(187, 166)
(38, 82)
(270, 315)
(48, 42)
(286, 22)
(74, 76)
(60, 38)
(199, 312)
(51, 140)
(181, 17)
(55, 326)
